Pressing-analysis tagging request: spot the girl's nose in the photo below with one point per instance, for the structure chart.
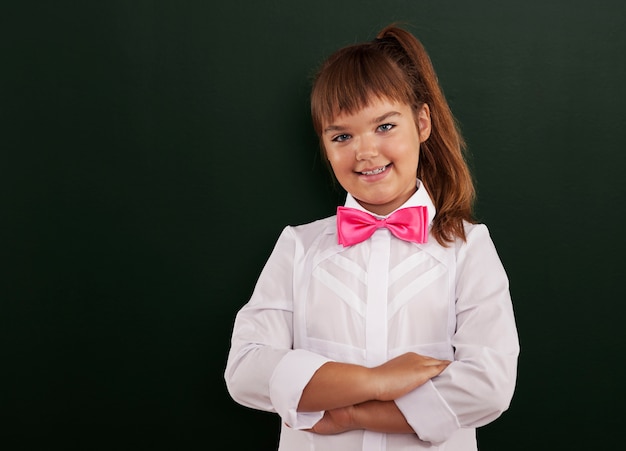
(365, 148)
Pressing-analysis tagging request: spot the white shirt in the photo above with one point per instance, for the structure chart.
(317, 301)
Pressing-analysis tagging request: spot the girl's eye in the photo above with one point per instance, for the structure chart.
(385, 127)
(341, 138)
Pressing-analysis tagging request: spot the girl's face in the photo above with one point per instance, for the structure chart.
(374, 153)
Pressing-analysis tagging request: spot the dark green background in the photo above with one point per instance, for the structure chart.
(152, 151)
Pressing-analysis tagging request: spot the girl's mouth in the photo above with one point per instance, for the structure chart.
(376, 171)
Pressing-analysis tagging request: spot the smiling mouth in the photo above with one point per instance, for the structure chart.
(375, 171)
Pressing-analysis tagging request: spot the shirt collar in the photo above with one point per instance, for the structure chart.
(419, 198)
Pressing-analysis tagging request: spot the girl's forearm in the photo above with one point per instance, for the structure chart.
(336, 385)
(380, 416)
(377, 416)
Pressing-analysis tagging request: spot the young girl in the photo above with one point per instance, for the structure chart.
(388, 326)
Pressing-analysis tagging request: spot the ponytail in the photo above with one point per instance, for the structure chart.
(442, 166)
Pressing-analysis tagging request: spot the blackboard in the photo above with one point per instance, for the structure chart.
(151, 152)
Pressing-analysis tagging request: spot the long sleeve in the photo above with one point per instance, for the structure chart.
(263, 371)
(478, 386)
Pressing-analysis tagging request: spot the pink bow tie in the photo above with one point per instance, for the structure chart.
(409, 224)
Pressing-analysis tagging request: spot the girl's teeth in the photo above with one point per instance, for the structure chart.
(375, 171)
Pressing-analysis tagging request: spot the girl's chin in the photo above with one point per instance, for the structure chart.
(382, 204)
(380, 207)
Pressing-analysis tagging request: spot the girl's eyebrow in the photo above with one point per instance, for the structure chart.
(335, 128)
(385, 116)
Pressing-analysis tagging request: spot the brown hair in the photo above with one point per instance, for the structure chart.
(395, 66)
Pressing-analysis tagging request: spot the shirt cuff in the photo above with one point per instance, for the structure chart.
(291, 375)
(428, 414)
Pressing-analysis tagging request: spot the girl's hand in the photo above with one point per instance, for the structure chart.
(404, 373)
(335, 421)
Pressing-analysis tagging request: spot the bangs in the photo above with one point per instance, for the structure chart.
(352, 79)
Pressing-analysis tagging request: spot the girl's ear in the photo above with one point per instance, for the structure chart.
(422, 120)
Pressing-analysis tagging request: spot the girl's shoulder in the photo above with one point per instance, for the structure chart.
(477, 239)
(324, 229)
(316, 227)
(474, 228)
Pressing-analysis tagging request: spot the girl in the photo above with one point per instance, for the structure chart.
(390, 325)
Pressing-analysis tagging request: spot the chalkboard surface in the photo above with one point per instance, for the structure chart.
(152, 151)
